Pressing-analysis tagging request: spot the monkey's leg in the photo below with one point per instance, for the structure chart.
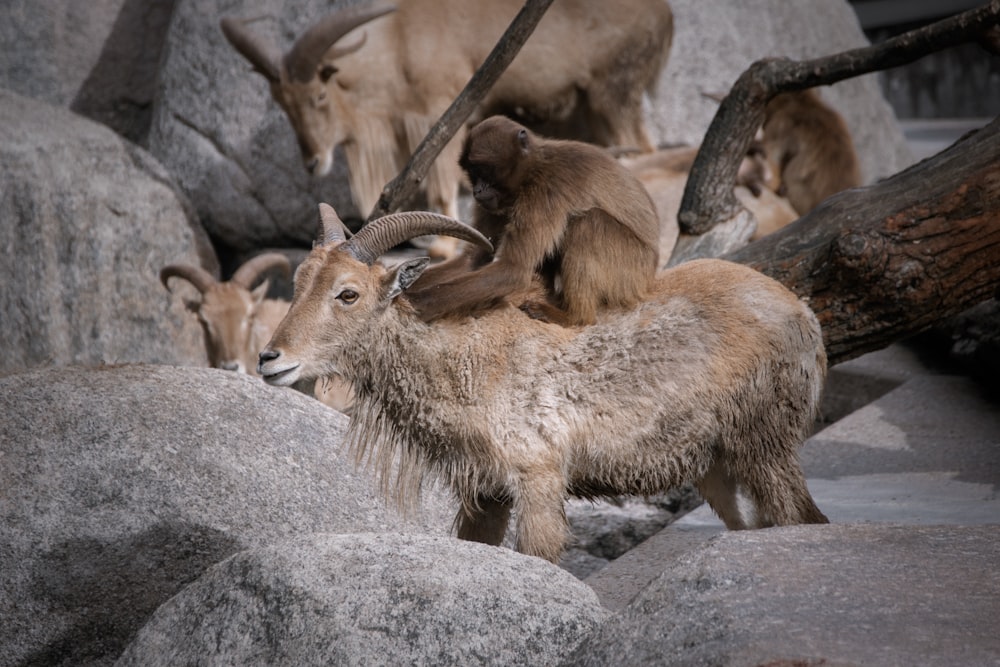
(604, 266)
(486, 523)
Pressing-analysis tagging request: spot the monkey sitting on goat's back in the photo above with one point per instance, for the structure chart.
(562, 212)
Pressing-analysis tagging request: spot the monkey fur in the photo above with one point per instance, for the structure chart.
(562, 213)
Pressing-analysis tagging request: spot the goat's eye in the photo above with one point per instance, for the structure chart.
(348, 296)
(326, 71)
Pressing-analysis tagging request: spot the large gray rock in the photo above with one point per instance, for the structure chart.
(99, 58)
(88, 221)
(369, 600)
(124, 483)
(234, 153)
(716, 40)
(816, 595)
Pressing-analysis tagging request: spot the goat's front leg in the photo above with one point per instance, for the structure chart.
(542, 529)
(484, 522)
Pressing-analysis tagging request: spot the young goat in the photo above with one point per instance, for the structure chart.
(716, 380)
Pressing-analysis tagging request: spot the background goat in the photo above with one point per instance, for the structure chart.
(664, 173)
(716, 380)
(238, 320)
(581, 75)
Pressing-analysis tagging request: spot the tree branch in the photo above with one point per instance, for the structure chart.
(708, 197)
(403, 188)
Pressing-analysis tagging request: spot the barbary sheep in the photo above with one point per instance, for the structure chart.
(716, 380)
(664, 173)
(810, 149)
(238, 320)
(581, 75)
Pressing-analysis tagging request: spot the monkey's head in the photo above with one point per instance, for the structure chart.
(495, 158)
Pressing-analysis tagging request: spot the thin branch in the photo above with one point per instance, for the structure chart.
(708, 197)
(403, 188)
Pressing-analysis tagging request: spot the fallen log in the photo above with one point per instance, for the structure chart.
(880, 263)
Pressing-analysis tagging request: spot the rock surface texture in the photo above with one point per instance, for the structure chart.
(123, 484)
(372, 599)
(89, 219)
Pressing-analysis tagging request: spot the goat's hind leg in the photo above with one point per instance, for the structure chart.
(762, 496)
(485, 521)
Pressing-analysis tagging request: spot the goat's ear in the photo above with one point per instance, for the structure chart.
(404, 275)
(260, 291)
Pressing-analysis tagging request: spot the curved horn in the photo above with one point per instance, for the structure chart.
(263, 59)
(197, 276)
(251, 269)
(332, 228)
(301, 61)
(378, 236)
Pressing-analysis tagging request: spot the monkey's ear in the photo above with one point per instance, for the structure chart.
(401, 277)
(522, 139)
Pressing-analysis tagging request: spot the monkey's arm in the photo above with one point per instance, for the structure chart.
(468, 294)
(524, 244)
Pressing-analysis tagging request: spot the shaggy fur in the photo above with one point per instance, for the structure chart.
(715, 380)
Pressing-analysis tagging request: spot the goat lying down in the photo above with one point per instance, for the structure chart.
(715, 380)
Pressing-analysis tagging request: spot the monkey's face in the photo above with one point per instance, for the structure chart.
(485, 191)
(493, 157)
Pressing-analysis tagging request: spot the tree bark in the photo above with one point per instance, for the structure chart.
(708, 197)
(881, 263)
(402, 189)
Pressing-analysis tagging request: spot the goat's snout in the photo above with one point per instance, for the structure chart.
(276, 370)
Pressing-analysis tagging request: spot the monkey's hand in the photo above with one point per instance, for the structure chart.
(544, 312)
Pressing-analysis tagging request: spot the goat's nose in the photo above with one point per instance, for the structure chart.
(266, 355)
(311, 165)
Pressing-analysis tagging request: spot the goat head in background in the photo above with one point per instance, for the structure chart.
(236, 318)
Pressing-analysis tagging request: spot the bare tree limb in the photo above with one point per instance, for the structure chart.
(881, 263)
(708, 197)
(403, 188)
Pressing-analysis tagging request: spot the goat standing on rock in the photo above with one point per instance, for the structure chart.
(716, 379)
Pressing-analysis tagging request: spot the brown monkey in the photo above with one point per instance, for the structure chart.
(564, 211)
(810, 149)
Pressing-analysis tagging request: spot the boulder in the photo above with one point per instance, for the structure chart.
(371, 599)
(831, 595)
(716, 40)
(122, 484)
(98, 58)
(89, 220)
(233, 151)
